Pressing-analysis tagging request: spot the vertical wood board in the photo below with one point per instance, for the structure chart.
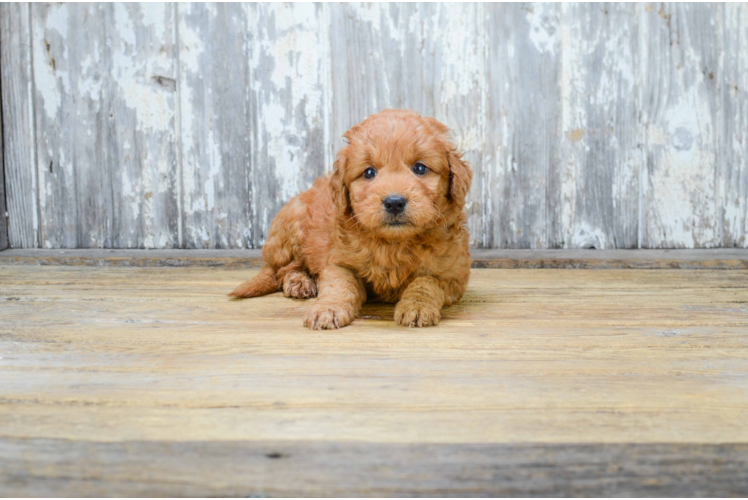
(524, 110)
(254, 118)
(214, 87)
(594, 192)
(291, 119)
(734, 145)
(106, 125)
(18, 129)
(681, 118)
(3, 219)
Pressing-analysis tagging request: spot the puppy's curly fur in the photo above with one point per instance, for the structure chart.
(338, 240)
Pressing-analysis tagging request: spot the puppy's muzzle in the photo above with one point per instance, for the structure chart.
(395, 204)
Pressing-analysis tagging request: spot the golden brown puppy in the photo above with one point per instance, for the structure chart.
(388, 224)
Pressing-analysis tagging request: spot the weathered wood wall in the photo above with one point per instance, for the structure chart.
(3, 218)
(189, 125)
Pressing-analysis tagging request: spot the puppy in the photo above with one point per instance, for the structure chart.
(388, 225)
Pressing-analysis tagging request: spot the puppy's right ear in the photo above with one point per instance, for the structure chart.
(337, 186)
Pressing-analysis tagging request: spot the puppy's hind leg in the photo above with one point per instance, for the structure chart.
(299, 285)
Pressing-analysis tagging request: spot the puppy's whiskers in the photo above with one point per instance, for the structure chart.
(356, 222)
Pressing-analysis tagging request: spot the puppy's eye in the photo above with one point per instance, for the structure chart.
(420, 169)
(370, 173)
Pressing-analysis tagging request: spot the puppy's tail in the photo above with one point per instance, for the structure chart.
(262, 284)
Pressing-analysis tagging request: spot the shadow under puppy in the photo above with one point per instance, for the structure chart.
(387, 224)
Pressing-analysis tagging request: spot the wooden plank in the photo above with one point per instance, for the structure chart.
(291, 116)
(725, 259)
(105, 80)
(549, 356)
(19, 138)
(3, 209)
(734, 146)
(524, 110)
(49, 467)
(594, 200)
(254, 116)
(682, 115)
(215, 107)
(427, 57)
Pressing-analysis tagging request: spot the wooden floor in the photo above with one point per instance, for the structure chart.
(149, 381)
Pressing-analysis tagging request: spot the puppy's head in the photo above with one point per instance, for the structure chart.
(399, 175)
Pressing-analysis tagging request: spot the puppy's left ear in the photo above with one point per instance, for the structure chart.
(460, 177)
(337, 186)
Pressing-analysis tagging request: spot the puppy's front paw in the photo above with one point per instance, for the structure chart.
(412, 313)
(328, 317)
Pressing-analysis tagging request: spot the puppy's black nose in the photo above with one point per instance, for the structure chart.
(395, 203)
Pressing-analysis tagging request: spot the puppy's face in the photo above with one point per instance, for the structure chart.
(399, 175)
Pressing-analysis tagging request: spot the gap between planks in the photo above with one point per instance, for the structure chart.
(723, 258)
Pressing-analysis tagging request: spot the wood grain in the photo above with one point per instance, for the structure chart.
(681, 114)
(49, 467)
(19, 136)
(291, 120)
(149, 380)
(216, 124)
(594, 195)
(734, 145)
(3, 210)
(254, 116)
(525, 107)
(106, 125)
(548, 356)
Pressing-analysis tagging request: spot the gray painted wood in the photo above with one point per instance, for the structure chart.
(3, 219)
(56, 467)
(18, 129)
(106, 125)
(254, 119)
(216, 124)
(3, 211)
(163, 126)
(523, 123)
(734, 145)
(594, 188)
(681, 116)
(291, 119)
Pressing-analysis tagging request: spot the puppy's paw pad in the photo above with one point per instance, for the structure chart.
(327, 317)
(415, 314)
(299, 286)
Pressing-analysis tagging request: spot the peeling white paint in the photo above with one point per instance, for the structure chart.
(124, 26)
(285, 155)
(586, 236)
(462, 62)
(47, 77)
(683, 184)
(543, 27)
(434, 58)
(191, 45)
